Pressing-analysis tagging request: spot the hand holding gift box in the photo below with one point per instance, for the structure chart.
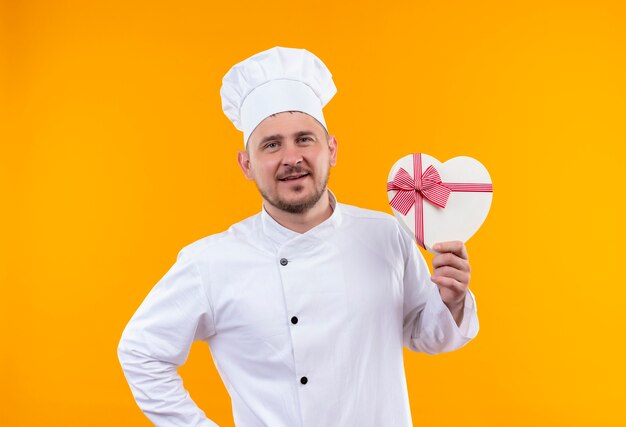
(442, 205)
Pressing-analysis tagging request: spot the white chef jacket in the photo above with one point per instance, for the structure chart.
(305, 329)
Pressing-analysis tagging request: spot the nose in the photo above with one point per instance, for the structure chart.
(291, 155)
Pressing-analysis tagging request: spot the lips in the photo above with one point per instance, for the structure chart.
(293, 177)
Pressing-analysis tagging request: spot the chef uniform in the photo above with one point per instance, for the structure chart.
(305, 329)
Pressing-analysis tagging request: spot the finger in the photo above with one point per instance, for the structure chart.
(449, 283)
(455, 246)
(451, 260)
(458, 275)
(451, 293)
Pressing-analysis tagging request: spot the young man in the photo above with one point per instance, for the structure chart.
(306, 306)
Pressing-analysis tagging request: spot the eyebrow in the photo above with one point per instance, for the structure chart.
(280, 137)
(304, 133)
(274, 137)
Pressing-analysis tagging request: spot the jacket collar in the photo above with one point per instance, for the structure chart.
(281, 235)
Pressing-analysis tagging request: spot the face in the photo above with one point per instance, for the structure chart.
(289, 158)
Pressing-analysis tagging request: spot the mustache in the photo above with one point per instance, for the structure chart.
(293, 170)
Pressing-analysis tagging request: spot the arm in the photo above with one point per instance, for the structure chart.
(157, 341)
(436, 318)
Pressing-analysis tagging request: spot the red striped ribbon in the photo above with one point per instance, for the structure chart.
(413, 190)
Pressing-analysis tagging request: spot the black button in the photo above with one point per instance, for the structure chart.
(283, 261)
(304, 380)
(294, 320)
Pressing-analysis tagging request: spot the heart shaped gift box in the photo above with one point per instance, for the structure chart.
(438, 202)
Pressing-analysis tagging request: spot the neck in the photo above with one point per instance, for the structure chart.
(302, 222)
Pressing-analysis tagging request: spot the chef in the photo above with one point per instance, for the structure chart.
(306, 306)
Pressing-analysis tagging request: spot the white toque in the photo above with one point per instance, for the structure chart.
(276, 80)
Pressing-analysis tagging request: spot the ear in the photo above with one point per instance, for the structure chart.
(244, 163)
(332, 146)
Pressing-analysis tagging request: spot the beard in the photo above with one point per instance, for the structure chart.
(300, 206)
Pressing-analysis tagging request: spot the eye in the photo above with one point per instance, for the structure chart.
(305, 139)
(272, 145)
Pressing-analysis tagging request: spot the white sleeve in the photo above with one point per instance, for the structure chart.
(428, 324)
(157, 341)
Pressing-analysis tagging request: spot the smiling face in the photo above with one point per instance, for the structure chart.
(289, 157)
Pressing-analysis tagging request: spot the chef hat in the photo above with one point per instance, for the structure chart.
(276, 80)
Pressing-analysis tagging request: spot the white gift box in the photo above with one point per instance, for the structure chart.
(446, 201)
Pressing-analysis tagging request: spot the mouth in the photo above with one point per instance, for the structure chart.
(296, 177)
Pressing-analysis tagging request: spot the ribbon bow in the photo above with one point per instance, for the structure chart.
(427, 185)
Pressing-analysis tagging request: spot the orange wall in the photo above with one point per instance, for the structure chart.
(114, 155)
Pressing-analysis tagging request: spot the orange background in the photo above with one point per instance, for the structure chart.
(115, 154)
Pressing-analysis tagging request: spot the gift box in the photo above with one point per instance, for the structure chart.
(438, 202)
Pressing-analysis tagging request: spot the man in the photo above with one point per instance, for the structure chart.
(306, 305)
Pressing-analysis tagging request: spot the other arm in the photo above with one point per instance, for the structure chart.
(157, 341)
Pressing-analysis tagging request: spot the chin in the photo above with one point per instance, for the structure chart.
(295, 200)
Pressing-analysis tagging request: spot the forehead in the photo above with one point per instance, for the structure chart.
(286, 124)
